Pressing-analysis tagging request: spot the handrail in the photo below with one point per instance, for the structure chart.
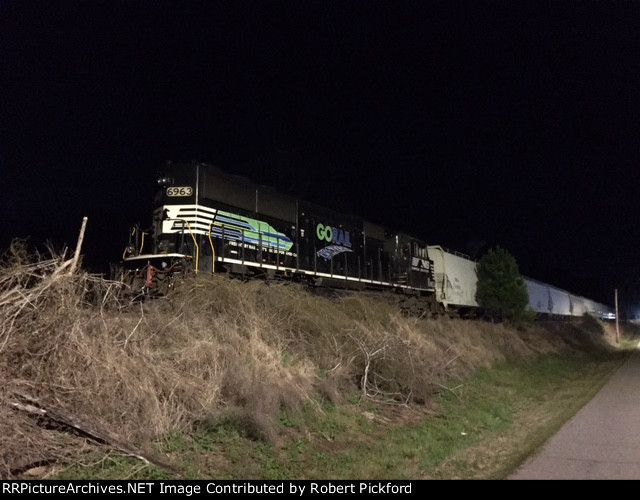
(196, 246)
(141, 243)
(213, 251)
(195, 242)
(131, 246)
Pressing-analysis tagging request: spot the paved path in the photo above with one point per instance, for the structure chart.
(602, 441)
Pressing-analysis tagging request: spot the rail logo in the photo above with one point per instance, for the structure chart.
(420, 265)
(335, 235)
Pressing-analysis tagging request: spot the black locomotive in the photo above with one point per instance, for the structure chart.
(209, 221)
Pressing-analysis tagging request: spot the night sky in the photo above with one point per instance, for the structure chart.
(468, 124)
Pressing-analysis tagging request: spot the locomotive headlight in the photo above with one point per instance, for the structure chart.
(165, 181)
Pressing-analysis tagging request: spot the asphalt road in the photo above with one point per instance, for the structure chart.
(602, 441)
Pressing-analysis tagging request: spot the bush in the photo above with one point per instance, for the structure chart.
(501, 290)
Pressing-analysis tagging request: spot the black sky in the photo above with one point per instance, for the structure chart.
(469, 124)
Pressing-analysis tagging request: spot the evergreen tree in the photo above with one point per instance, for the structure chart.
(501, 290)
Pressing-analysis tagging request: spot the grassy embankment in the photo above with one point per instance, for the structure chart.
(232, 380)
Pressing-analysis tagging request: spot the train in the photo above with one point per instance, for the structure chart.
(456, 287)
(206, 220)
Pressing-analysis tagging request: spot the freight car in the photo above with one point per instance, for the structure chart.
(549, 301)
(208, 221)
(456, 280)
(456, 288)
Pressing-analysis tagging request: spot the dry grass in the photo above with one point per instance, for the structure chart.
(216, 348)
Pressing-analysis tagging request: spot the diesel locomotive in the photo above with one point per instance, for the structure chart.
(209, 221)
